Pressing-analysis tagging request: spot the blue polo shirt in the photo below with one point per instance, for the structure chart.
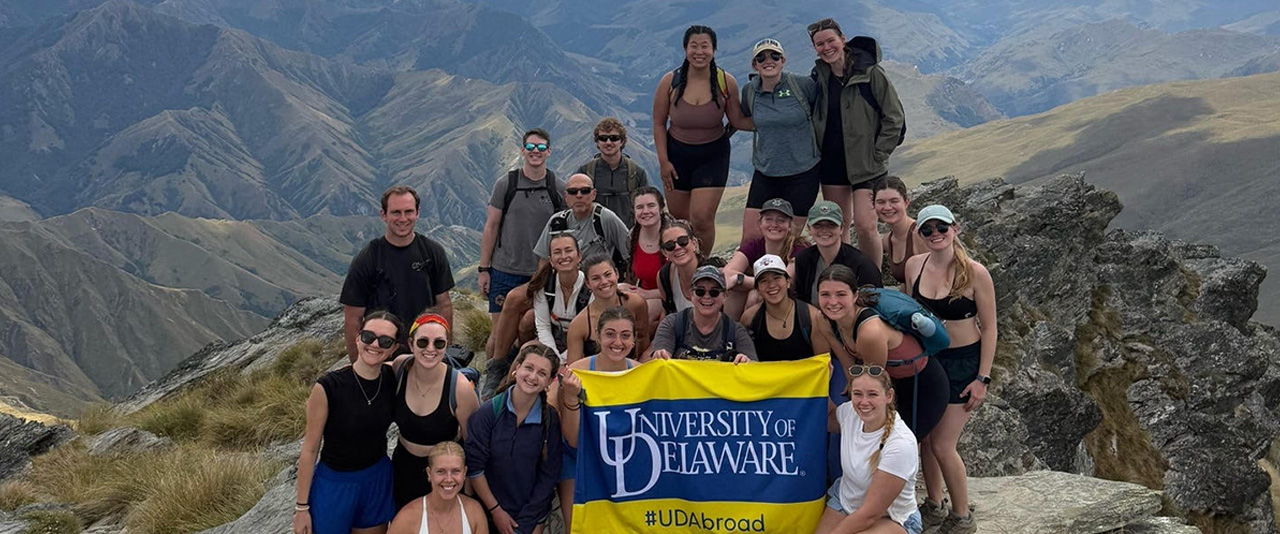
(510, 457)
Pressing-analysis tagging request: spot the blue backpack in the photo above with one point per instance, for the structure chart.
(906, 315)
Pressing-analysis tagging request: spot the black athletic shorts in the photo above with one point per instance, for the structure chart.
(699, 165)
(961, 365)
(801, 190)
(832, 171)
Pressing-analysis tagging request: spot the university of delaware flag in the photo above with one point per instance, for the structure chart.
(694, 446)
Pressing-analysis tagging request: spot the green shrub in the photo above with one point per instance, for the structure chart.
(180, 419)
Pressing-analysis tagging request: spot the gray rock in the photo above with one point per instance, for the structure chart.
(995, 442)
(126, 440)
(1049, 502)
(21, 439)
(1159, 525)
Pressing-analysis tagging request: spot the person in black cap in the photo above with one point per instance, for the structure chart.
(778, 238)
(704, 332)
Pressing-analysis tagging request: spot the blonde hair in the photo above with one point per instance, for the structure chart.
(962, 279)
(446, 448)
(891, 411)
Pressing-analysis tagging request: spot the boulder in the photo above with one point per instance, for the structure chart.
(1051, 502)
(21, 439)
(126, 440)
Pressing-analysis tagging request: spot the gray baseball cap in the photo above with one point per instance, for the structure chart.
(779, 205)
(708, 272)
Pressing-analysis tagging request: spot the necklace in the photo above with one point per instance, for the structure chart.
(785, 316)
(367, 399)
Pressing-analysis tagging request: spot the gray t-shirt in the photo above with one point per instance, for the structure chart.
(784, 137)
(616, 236)
(530, 210)
(665, 337)
(612, 188)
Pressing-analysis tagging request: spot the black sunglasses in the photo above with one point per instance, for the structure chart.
(768, 55)
(682, 241)
(540, 147)
(424, 342)
(824, 24)
(702, 292)
(928, 229)
(383, 341)
(858, 369)
(578, 190)
(608, 138)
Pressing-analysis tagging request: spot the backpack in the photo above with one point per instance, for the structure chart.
(664, 280)
(678, 79)
(579, 304)
(560, 223)
(513, 186)
(865, 89)
(904, 314)
(802, 321)
(633, 174)
(450, 383)
(725, 354)
(794, 86)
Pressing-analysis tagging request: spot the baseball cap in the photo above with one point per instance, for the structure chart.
(935, 211)
(826, 210)
(767, 44)
(779, 205)
(768, 263)
(708, 272)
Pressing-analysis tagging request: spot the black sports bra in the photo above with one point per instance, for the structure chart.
(946, 308)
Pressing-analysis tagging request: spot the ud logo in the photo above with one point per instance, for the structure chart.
(617, 451)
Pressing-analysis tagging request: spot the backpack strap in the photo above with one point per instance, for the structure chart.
(498, 402)
(679, 328)
(513, 182)
(451, 385)
(557, 200)
(726, 337)
(864, 89)
(800, 97)
(584, 298)
(664, 279)
(757, 323)
(590, 168)
(633, 175)
(802, 320)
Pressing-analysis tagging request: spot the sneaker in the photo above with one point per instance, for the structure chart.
(932, 514)
(955, 524)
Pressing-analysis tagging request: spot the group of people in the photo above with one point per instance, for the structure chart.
(602, 271)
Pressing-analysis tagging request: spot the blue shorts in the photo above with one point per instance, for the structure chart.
(343, 500)
(913, 525)
(500, 284)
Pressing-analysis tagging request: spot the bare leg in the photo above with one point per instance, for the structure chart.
(944, 438)
(703, 204)
(380, 529)
(864, 223)
(506, 329)
(932, 473)
(750, 225)
(655, 314)
(842, 195)
(735, 302)
(528, 329)
(678, 204)
(565, 489)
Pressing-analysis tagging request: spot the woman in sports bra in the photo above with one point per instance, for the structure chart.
(782, 327)
(646, 248)
(432, 404)
(617, 332)
(445, 510)
(602, 281)
(681, 248)
(690, 106)
(858, 335)
(560, 277)
(960, 292)
(901, 242)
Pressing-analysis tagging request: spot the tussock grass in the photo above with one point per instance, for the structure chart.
(52, 522)
(16, 494)
(96, 419)
(473, 329)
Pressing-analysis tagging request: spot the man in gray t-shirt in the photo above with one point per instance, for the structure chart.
(703, 326)
(586, 222)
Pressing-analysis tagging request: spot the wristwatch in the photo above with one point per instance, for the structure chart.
(741, 278)
(482, 269)
(986, 380)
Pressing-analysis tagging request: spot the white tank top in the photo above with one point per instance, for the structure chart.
(466, 525)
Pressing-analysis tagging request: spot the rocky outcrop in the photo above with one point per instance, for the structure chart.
(126, 440)
(1124, 355)
(21, 439)
(1047, 502)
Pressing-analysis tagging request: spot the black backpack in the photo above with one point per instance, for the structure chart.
(579, 304)
(560, 223)
(726, 352)
(513, 186)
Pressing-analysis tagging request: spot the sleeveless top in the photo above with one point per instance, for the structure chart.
(591, 363)
(946, 308)
(903, 361)
(590, 345)
(899, 269)
(466, 525)
(430, 429)
(645, 266)
(797, 346)
(677, 295)
(697, 125)
(360, 411)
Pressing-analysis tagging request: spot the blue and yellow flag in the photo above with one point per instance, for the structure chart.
(695, 446)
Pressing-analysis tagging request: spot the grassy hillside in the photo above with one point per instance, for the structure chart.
(1195, 160)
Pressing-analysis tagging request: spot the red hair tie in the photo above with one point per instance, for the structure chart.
(429, 318)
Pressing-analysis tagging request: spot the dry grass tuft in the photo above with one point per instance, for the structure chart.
(16, 494)
(96, 419)
(473, 329)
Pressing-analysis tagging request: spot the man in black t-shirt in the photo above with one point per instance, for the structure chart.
(402, 271)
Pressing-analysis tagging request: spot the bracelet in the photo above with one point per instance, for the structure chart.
(574, 407)
(301, 508)
(301, 504)
(492, 508)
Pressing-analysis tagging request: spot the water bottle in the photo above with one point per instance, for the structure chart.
(923, 325)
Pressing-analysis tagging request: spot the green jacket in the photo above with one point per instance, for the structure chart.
(869, 138)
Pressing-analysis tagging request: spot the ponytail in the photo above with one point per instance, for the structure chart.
(963, 266)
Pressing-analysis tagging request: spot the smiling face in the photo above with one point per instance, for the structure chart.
(616, 338)
(609, 147)
(602, 280)
(535, 158)
(772, 287)
(430, 356)
(564, 254)
(400, 216)
(938, 240)
(835, 299)
(699, 51)
(870, 398)
(769, 67)
(648, 211)
(712, 299)
(373, 354)
(829, 45)
(774, 226)
(447, 473)
(533, 375)
(890, 206)
(825, 233)
(680, 255)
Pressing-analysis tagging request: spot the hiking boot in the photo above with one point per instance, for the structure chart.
(955, 524)
(932, 514)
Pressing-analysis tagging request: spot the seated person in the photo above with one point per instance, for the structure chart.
(778, 239)
(826, 228)
(704, 332)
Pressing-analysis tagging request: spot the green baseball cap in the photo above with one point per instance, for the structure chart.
(826, 210)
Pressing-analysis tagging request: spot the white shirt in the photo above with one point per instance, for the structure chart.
(558, 311)
(900, 458)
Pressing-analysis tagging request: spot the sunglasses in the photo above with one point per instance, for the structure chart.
(424, 342)
(578, 190)
(702, 292)
(928, 229)
(768, 55)
(682, 241)
(858, 369)
(824, 24)
(540, 147)
(383, 341)
(608, 138)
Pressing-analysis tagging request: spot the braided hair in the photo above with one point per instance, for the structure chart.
(697, 29)
(891, 415)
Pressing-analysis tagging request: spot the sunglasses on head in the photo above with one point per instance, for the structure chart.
(540, 147)
(928, 229)
(768, 55)
(858, 369)
(702, 292)
(824, 24)
(369, 337)
(608, 138)
(578, 190)
(424, 342)
(682, 241)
